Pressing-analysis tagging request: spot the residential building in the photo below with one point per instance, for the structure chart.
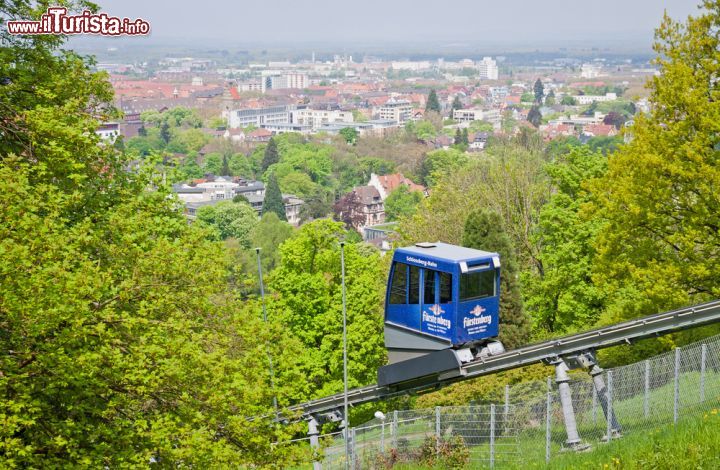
(370, 204)
(315, 118)
(488, 69)
(399, 111)
(588, 99)
(108, 131)
(590, 70)
(385, 184)
(479, 141)
(293, 205)
(284, 80)
(283, 127)
(259, 116)
(466, 115)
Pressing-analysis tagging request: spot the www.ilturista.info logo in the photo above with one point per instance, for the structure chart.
(478, 318)
(57, 21)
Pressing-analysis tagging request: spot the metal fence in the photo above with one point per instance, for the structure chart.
(530, 424)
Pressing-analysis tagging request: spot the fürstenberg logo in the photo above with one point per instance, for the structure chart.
(57, 21)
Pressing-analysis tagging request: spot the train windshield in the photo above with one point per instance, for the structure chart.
(477, 285)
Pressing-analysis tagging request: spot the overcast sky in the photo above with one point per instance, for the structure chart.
(410, 21)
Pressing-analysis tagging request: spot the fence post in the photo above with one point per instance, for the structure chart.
(507, 405)
(646, 400)
(703, 359)
(394, 430)
(676, 407)
(609, 416)
(437, 430)
(548, 410)
(313, 432)
(492, 436)
(351, 434)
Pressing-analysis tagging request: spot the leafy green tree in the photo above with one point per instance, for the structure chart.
(271, 155)
(401, 203)
(268, 235)
(240, 165)
(441, 162)
(568, 100)
(562, 297)
(189, 169)
(142, 132)
(309, 302)
(539, 91)
(527, 98)
(350, 134)
(273, 199)
(422, 130)
(165, 133)
(659, 197)
(484, 230)
(550, 98)
(432, 103)
(298, 184)
(534, 116)
(121, 343)
(465, 137)
(232, 219)
(225, 171)
(458, 136)
(213, 163)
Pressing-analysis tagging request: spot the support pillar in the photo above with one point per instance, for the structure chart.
(602, 394)
(562, 379)
(314, 432)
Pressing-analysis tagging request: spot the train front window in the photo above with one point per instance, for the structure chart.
(445, 288)
(477, 285)
(414, 285)
(398, 289)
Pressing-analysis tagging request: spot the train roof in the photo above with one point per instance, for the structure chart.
(446, 252)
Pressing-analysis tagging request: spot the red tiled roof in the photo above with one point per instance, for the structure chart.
(394, 181)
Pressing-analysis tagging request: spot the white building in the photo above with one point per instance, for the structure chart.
(587, 99)
(467, 115)
(284, 81)
(108, 131)
(488, 69)
(399, 111)
(257, 117)
(318, 117)
(412, 66)
(590, 70)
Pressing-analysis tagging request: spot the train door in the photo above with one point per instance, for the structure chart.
(478, 302)
(437, 307)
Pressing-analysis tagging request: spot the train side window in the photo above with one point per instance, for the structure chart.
(414, 286)
(398, 289)
(429, 287)
(477, 285)
(445, 288)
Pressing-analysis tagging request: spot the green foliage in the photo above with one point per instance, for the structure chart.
(270, 156)
(568, 100)
(562, 297)
(189, 169)
(401, 203)
(273, 199)
(659, 246)
(534, 116)
(480, 126)
(231, 219)
(240, 165)
(432, 103)
(538, 91)
(484, 231)
(527, 97)
(422, 130)
(309, 302)
(350, 134)
(456, 104)
(439, 163)
(299, 184)
(268, 235)
(213, 163)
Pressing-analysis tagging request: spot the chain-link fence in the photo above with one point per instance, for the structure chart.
(530, 424)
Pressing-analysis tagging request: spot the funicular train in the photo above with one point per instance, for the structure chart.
(441, 310)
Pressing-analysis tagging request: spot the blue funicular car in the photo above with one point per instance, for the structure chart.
(441, 309)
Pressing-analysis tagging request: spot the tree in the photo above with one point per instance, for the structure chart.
(432, 102)
(350, 134)
(271, 155)
(614, 119)
(568, 100)
(465, 137)
(534, 116)
(268, 235)
(142, 132)
(659, 247)
(401, 203)
(456, 104)
(484, 230)
(458, 136)
(213, 163)
(439, 163)
(309, 303)
(550, 98)
(165, 134)
(348, 210)
(232, 220)
(130, 348)
(273, 199)
(538, 91)
(225, 170)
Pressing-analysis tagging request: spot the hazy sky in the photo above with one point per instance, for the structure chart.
(407, 21)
